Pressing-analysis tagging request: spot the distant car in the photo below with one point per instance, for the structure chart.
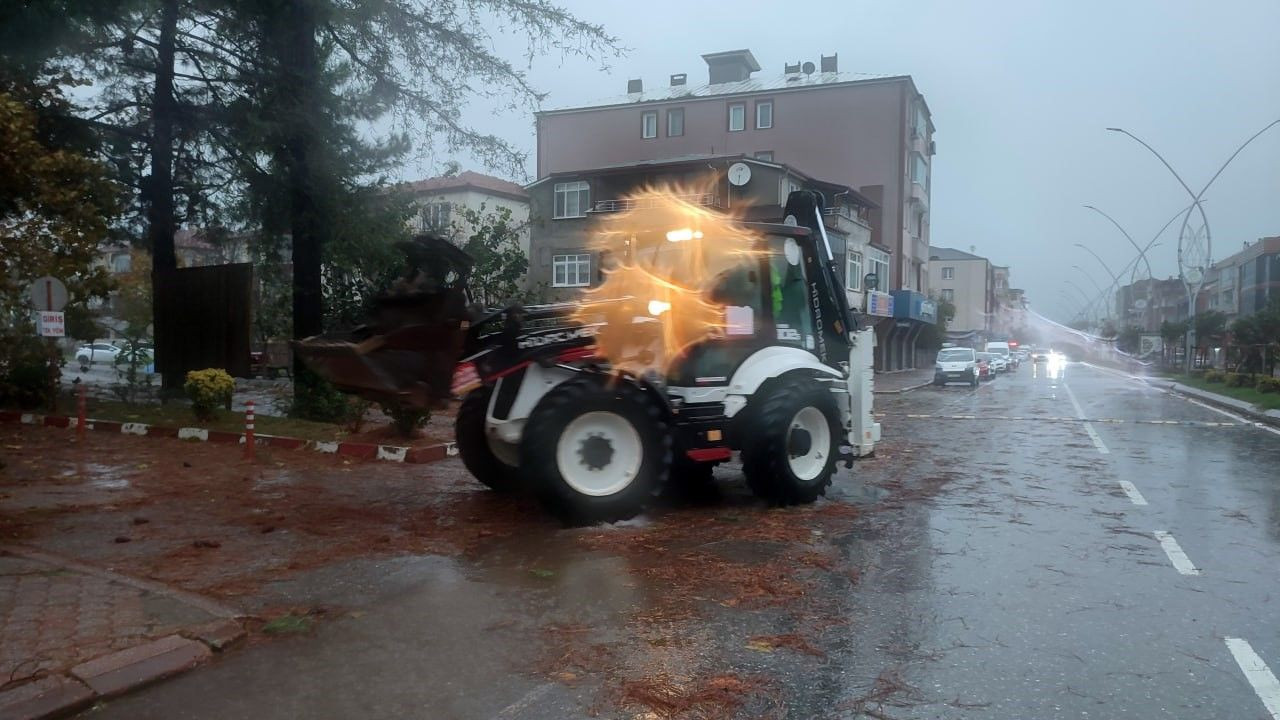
(98, 352)
(956, 364)
(1002, 349)
(1040, 355)
(984, 368)
(995, 361)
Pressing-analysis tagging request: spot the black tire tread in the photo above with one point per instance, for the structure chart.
(538, 448)
(764, 457)
(473, 446)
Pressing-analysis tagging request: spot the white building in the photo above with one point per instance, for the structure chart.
(439, 200)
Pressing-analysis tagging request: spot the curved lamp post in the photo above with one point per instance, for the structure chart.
(1195, 252)
(1115, 279)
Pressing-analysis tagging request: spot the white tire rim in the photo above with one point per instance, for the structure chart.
(599, 453)
(811, 464)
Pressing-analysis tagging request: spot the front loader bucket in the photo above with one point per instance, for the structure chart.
(407, 352)
(411, 365)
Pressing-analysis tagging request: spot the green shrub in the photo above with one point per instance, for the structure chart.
(1268, 385)
(315, 398)
(406, 420)
(1239, 379)
(1214, 376)
(27, 366)
(209, 390)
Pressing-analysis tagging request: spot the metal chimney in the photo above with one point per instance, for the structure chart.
(678, 79)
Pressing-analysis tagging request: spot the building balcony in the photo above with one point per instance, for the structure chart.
(919, 194)
(710, 200)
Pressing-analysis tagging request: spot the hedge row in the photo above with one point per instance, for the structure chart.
(1261, 383)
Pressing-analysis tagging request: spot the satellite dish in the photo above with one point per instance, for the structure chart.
(808, 68)
(1140, 303)
(739, 174)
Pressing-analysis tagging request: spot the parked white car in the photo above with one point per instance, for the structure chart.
(956, 364)
(98, 352)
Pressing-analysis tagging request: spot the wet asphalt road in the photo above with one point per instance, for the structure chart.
(1031, 584)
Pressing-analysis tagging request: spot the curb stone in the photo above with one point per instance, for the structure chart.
(125, 670)
(1269, 417)
(362, 451)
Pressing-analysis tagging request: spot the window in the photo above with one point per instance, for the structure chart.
(853, 279)
(121, 263)
(878, 263)
(948, 295)
(570, 270)
(764, 114)
(789, 186)
(919, 169)
(737, 117)
(649, 124)
(792, 311)
(765, 155)
(919, 123)
(572, 200)
(948, 273)
(435, 216)
(675, 122)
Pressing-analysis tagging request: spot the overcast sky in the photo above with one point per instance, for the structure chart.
(1021, 92)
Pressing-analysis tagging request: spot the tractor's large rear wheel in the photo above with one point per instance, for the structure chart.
(793, 434)
(596, 450)
(497, 470)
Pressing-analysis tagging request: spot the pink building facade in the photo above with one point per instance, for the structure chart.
(873, 133)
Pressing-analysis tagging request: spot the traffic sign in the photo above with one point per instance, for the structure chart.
(52, 324)
(48, 294)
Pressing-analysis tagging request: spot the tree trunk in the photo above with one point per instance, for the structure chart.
(299, 58)
(158, 189)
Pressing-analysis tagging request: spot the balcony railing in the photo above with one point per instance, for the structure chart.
(611, 206)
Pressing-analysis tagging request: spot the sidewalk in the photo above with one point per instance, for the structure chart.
(70, 633)
(1270, 417)
(900, 381)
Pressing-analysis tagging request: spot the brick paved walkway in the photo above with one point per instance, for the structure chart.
(53, 616)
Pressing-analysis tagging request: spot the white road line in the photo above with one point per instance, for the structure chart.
(1180, 561)
(1233, 416)
(1132, 491)
(1088, 426)
(1258, 674)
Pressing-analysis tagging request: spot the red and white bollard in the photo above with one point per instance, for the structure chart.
(248, 430)
(80, 411)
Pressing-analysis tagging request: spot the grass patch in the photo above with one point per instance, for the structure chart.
(1265, 401)
(178, 414)
(288, 625)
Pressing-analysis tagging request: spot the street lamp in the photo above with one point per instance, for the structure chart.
(1083, 295)
(1193, 258)
(1114, 278)
(1127, 237)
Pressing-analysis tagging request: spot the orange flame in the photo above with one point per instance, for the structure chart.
(669, 250)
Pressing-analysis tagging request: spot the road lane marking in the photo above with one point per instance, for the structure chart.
(1258, 674)
(1088, 426)
(1132, 491)
(1180, 561)
(1050, 418)
(1233, 416)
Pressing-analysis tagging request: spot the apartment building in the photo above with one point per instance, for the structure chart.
(568, 207)
(967, 281)
(871, 133)
(1244, 282)
(440, 200)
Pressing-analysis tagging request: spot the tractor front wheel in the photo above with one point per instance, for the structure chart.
(596, 450)
(495, 470)
(794, 432)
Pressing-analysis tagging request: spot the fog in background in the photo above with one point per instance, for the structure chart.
(1020, 92)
